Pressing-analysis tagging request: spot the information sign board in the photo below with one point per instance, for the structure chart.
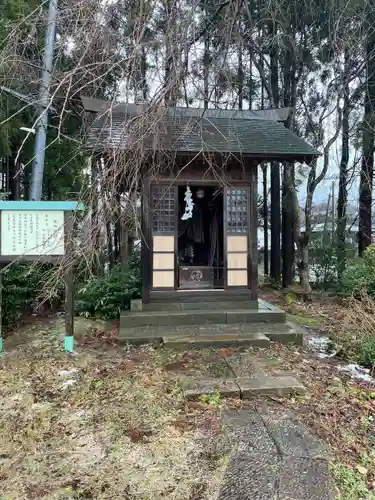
(40, 230)
(32, 232)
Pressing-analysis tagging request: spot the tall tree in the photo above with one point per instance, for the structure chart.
(368, 133)
(343, 176)
(275, 166)
(289, 101)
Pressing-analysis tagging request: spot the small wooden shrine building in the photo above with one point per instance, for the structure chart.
(198, 187)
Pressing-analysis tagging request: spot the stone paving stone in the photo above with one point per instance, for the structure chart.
(262, 384)
(302, 478)
(292, 438)
(251, 476)
(195, 388)
(247, 432)
(273, 458)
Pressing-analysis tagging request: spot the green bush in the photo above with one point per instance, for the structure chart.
(107, 296)
(22, 283)
(323, 262)
(366, 351)
(359, 277)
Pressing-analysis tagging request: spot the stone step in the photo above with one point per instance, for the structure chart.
(202, 304)
(244, 387)
(216, 340)
(285, 333)
(199, 295)
(214, 316)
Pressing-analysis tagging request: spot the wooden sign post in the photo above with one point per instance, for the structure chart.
(40, 231)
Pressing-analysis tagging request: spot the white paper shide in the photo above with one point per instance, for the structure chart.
(32, 232)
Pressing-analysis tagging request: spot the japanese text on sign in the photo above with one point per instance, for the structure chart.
(32, 232)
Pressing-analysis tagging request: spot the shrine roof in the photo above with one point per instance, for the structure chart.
(258, 134)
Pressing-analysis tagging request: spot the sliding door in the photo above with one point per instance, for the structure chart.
(164, 229)
(237, 232)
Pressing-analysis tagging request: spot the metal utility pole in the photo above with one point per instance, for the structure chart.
(333, 213)
(44, 95)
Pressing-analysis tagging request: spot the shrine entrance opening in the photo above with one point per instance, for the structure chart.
(200, 256)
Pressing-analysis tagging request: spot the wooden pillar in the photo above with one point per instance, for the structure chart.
(265, 219)
(275, 223)
(146, 250)
(287, 226)
(253, 232)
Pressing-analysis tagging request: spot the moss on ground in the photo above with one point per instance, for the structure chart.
(103, 423)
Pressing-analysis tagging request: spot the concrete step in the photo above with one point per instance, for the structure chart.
(201, 305)
(216, 340)
(285, 333)
(244, 387)
(205, 334)
(211, 316)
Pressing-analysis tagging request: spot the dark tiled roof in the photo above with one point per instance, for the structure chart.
(261, 138)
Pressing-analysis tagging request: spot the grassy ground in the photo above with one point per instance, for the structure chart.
(349, 322)
(111, 422)
(106, 423)
(340, 410)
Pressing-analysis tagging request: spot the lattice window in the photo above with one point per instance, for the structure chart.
(237, 210)
(164, 209)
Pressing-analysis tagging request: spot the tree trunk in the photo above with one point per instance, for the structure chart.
(368, 136)
(240, 77)
(288, 216)
(303, 268)
(302, 241)
(110, 244)
(14, 178)
(287, 226)
(343, 178)
(275, 168)
(117, 220)
(265, 218)
(95, 228)
(143, 68)
(170, 72)
(206, 63)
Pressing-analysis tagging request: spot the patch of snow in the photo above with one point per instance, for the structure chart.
(69, 382)
(357, 371)
(323, 355)
(66, 373)
(319, 344)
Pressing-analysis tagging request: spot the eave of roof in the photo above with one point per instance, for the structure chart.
(102, 106)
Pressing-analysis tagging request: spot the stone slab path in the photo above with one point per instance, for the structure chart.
(274, 458)
(243, 376)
